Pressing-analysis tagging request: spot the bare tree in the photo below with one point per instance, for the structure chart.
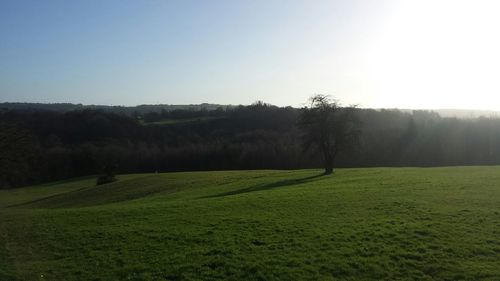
(329, 128)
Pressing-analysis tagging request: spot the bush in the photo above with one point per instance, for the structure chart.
(105, 179)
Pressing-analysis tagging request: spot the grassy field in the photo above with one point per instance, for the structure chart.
(358, 224)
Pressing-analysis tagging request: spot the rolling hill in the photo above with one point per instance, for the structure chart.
(359, 224)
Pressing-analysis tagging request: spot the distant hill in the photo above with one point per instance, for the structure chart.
(464, 113)
(147, 108)
(129, 110)
(458, 113)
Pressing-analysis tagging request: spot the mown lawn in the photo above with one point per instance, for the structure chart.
(358, 224)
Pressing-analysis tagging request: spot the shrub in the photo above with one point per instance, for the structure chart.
(103, 179)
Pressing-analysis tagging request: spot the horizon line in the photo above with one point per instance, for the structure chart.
(235, 105)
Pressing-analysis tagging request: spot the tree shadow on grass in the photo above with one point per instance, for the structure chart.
(261, 187)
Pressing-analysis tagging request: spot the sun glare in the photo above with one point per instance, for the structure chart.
(438, 54)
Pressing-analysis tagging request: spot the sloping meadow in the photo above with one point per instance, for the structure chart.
(358, 224)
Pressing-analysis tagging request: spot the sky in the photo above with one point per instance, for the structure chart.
(429, 54)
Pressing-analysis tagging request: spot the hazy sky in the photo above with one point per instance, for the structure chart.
(407, 54)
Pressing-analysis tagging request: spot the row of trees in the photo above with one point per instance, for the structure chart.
(40, 145)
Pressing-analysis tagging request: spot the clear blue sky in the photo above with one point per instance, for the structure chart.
(411, 54)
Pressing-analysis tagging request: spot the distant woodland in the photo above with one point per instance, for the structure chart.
(41, 143)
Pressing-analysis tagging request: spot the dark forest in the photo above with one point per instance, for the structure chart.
(39, 144)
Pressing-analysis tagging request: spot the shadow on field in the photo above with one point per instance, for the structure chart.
(42, 199)
(71, 180)
(260, 187)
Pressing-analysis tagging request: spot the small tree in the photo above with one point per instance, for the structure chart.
(107, 159)
(329, 128)
(108, 175)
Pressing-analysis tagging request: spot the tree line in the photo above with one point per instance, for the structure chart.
(39, 145)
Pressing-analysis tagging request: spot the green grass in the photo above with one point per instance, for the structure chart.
(358, 224)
